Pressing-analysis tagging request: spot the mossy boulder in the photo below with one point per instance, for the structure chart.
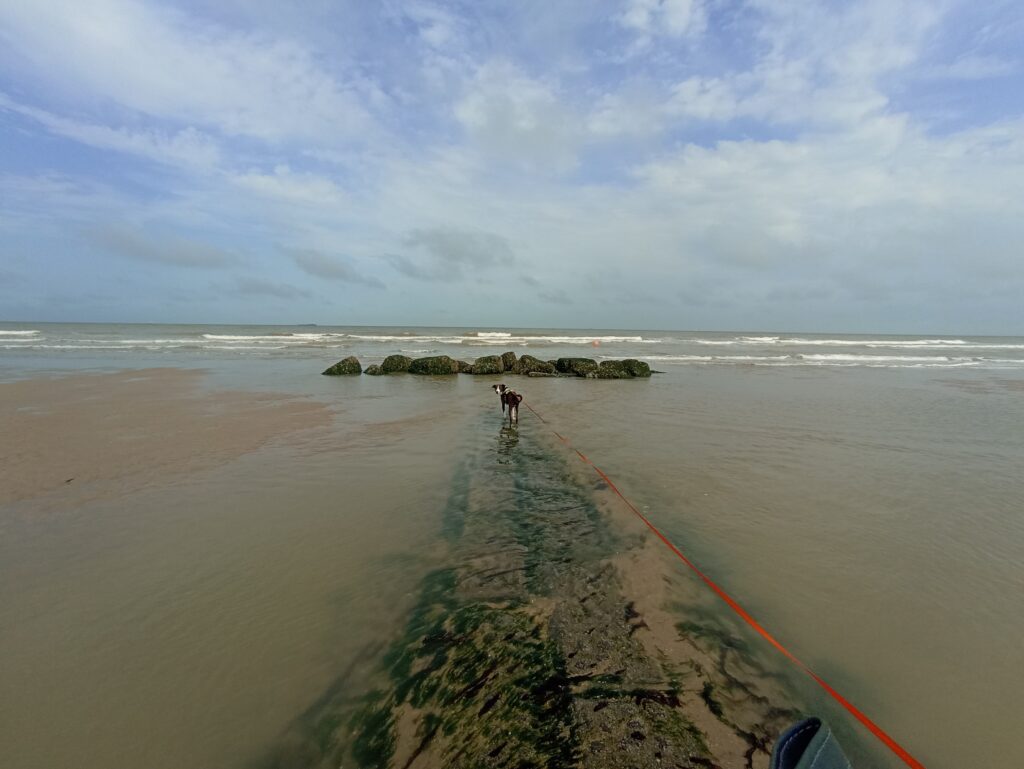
(530, 365)
(613, 369)
(508, 359)
(637, 367)
(489, 364)
(345, 367)
(464, 367)
(576, 366)
(373, 370)
(395, 364)
(436, 365)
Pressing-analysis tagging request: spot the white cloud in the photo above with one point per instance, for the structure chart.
(518, 120)
(970, 67)
(674, 18)
(162, 63)
(187, 147)
(284, 184)
(601, 180)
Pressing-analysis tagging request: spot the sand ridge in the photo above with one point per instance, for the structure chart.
(86, 436)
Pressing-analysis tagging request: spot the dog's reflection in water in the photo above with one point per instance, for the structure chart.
(508, 439)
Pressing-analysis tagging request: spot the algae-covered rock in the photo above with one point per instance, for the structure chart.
(577, 366)
(489, 364)
(508, 360)
(528, 365)
(637, 367)
(438, 364)
(394, 364)
(613, 369)
(541, 373)
(345, 367)
(373, 370)
(464, 367)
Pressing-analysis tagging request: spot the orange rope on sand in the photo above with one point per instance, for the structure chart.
(876, 730)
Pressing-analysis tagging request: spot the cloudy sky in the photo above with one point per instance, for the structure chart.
(687, 164)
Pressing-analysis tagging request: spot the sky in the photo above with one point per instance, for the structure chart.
(648, 164)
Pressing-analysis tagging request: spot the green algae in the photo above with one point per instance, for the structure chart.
(521, 652)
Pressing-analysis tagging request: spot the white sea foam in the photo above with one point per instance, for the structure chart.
(277, 338)
(840, 360)
(486, 340)
(157, 341)
(896, 344)
(492, 334)
(30, 332)
(878, 358)
(719, 358)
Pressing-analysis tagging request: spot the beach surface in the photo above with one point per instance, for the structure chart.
(241, 563)
(111, 433)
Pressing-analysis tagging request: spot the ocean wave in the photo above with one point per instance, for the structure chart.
(929, 343)
(30, 332)
(482, 340)
(841, 360)
(282, 337)
(715, 358)
(879, 358)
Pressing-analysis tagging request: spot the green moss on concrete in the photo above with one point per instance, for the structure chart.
(396, 364)
(576, 366)
(637, 367)
(436, 365)
(489, 364)
(528, 364)
(346, 367)
(613, 369)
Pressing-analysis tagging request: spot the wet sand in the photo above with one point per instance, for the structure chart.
(87, 436)
(251, 601)
(187, 602)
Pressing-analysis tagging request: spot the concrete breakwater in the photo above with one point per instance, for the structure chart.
(507, 363)
(542, 640)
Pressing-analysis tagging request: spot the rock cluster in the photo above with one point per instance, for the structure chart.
(507, 363)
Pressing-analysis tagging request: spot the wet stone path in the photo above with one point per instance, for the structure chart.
(525, 652)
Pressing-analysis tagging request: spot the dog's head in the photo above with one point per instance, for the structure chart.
(499, 388)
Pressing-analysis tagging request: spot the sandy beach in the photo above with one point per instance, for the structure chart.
(533, 551)
(306, 571)
(77, 438)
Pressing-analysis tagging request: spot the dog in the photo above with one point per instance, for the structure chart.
(511, 399)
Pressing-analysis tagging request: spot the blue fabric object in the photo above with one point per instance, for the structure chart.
(809, 744)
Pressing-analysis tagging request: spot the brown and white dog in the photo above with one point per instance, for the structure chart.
(511, 399)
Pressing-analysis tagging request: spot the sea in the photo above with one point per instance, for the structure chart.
(23, 344)
(862, 495)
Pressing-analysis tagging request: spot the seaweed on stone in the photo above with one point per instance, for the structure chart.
(523, 652)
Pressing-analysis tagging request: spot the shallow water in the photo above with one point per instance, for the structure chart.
(869, 516)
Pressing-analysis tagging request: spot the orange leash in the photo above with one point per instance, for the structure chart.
(874, 728)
